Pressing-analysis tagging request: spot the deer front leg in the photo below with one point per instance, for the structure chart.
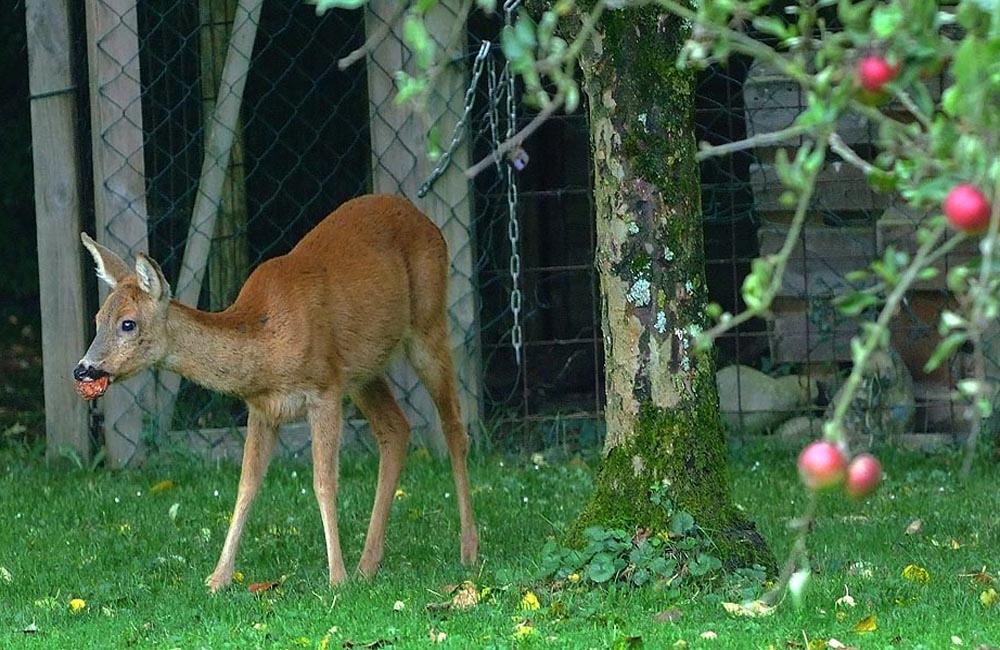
(257, 452)
(325, 423)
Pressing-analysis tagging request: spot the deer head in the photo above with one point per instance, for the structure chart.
(131, 324)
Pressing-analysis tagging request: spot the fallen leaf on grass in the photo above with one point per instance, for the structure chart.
(956, 640)
(466, 596)
(162, 487)
(5, 575)
(668, 616)
(750, 609)
(917, 573)
(988, 598)
(979, 577)
(261, 587)
(398, 606)
(865, 625)
(915, 527)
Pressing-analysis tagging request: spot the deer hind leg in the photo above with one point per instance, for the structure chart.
(430, 354)
(392, 432)
(326, 425)
(257, 452)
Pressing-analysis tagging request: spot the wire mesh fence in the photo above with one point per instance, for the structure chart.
(166, 81)
(310, 133)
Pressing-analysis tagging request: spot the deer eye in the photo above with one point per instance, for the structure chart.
(128, 325)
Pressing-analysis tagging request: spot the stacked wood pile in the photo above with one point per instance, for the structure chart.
(848, 225)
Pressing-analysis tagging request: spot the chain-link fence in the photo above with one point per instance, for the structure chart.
(223, 130)
(314, 124)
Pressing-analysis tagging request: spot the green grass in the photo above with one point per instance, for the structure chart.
(105, 538)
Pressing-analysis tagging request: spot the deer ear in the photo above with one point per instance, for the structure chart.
(109, 267)
(151, 278)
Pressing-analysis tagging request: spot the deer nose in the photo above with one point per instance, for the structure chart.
(82, 372)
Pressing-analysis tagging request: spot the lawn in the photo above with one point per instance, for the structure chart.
(110, 539)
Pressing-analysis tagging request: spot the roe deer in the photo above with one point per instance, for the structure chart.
(306, 329)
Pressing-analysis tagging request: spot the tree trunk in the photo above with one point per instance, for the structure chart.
(663, 422)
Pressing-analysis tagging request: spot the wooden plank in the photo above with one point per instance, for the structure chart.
(898, 228)
(772, 102)
(801, 331)
(400, 165)
(839, 188)
(58, 216)
(821, 258)
(119, 189)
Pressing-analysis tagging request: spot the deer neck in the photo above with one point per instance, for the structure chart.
(217, 350)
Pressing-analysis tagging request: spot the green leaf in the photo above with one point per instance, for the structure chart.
(487, 6)
(419, 40)
(601, 569)
(886, 20)
(950, 321)
(945, 350)
(322, 6)
(681, 523)
(854, 303)
(703, 564)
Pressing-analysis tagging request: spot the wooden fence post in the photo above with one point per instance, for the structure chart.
(400, 165)
(58, 217)
(119, 190)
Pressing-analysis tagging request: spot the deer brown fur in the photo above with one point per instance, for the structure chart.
(306, 329)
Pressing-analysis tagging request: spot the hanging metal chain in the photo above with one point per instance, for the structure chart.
(510, 176)
(458, 134)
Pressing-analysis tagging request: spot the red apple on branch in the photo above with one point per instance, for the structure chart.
(874, 72)
(822, 466)
(863, 475)
(967, 209)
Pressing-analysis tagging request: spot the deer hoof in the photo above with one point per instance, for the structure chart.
(217, 582)
(470, 548)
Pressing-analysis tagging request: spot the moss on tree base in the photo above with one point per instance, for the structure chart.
(682, 451)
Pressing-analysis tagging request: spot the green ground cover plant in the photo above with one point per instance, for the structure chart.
(117, 559)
